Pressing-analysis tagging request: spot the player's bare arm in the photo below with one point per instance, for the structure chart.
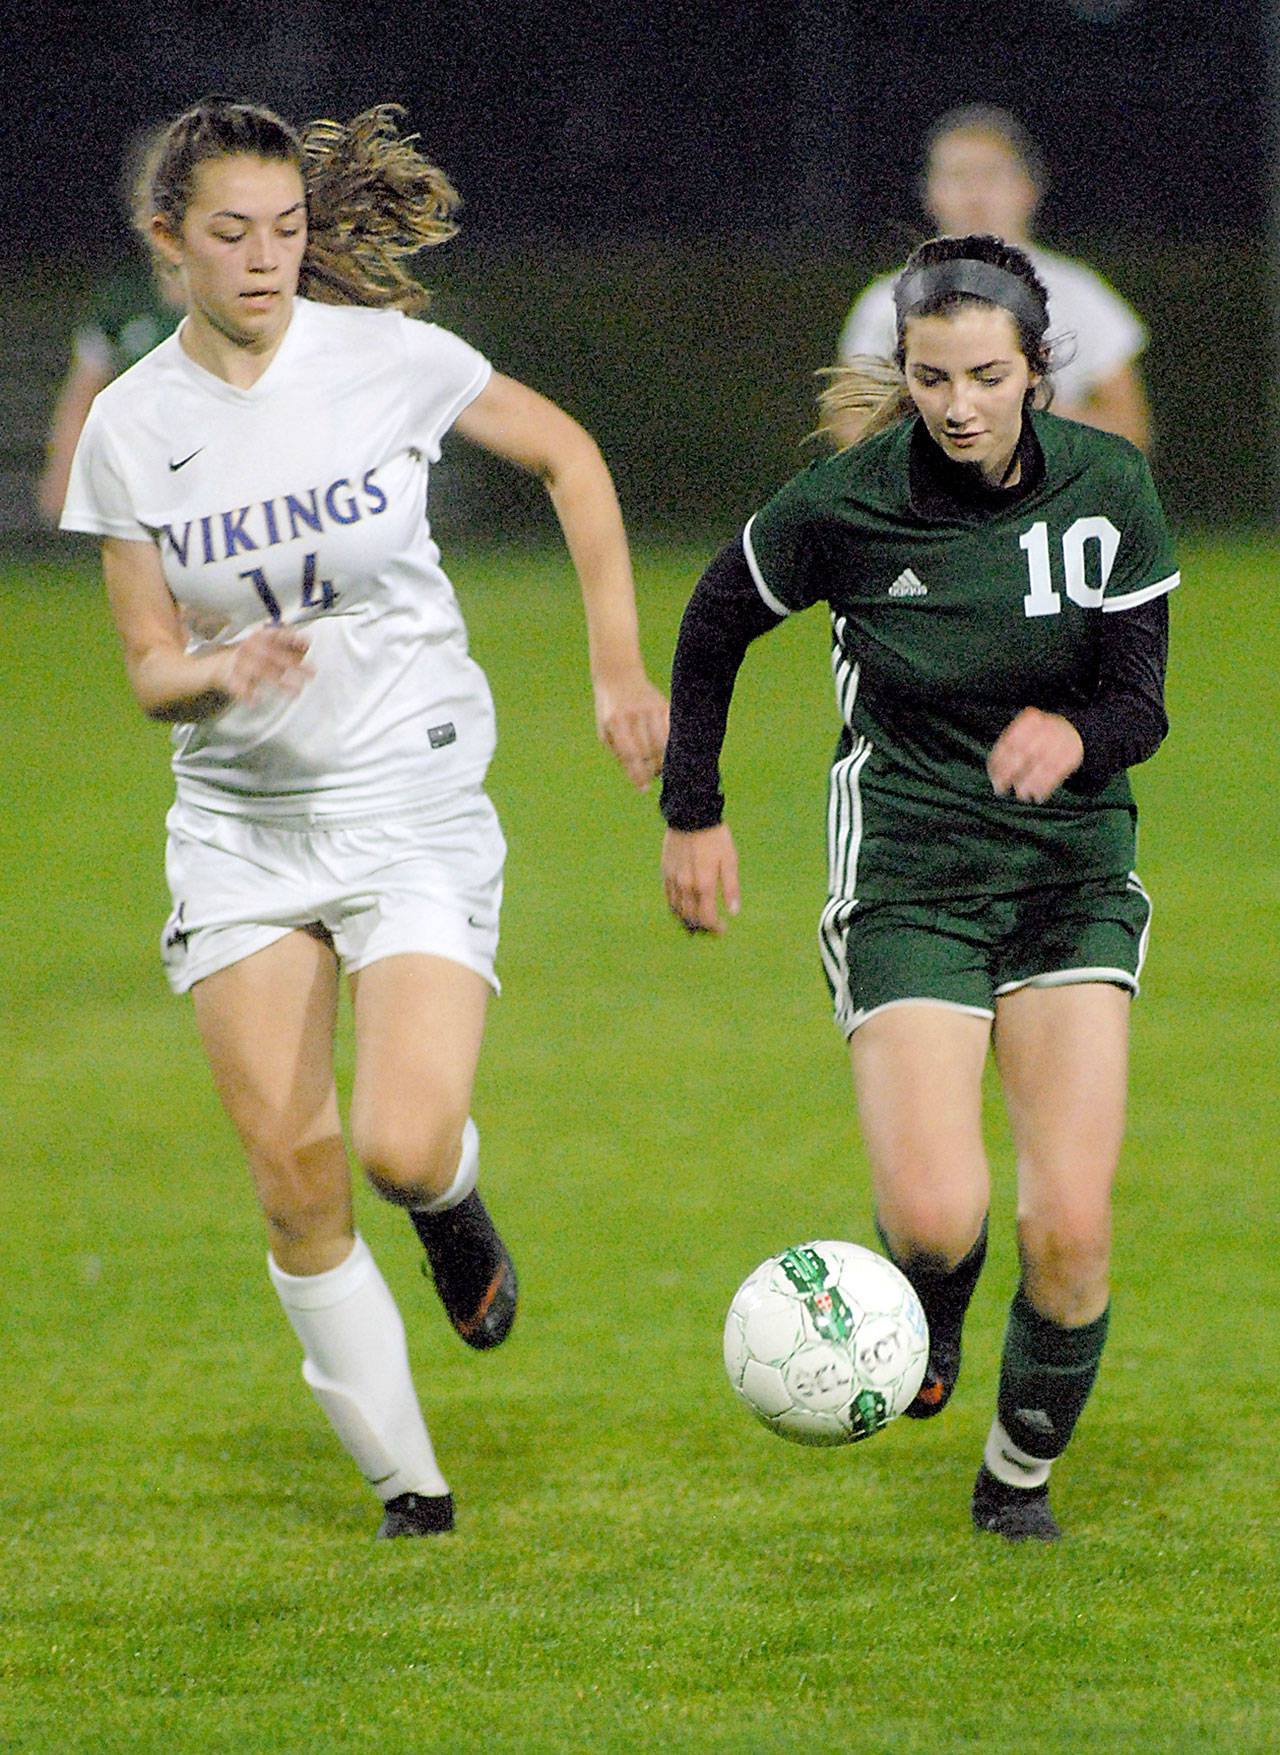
(71, 410)
(516, 423)
(1117, 404)
(168, 682)
(699, 870)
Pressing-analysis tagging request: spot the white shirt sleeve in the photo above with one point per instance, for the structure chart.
(91, 347)
(870, 326)
(97, 499)
(1094, 331)
(445, 375)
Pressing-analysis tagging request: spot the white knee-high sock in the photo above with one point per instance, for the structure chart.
(357, 1366)
(466, 1176)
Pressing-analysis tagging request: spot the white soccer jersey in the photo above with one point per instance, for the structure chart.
(303, 500)
(1096, 331)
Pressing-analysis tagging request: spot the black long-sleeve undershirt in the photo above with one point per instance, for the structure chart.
(724, 615)
(1123, 723)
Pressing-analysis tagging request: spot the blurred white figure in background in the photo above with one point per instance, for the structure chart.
(984, 173)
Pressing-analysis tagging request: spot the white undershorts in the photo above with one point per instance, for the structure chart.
(429, 881)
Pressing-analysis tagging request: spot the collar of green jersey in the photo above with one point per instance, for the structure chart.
(942, 490)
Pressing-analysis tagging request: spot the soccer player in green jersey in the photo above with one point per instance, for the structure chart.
(997, 580)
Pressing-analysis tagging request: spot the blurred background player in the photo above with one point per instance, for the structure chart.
(130, 311)
(984, 173)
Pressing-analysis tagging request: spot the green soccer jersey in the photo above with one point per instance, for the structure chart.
(129, 316)
(945, 625)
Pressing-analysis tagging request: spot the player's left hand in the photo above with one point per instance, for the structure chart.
(1033, 755)
(632, 722)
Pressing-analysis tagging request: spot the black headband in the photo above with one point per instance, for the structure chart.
(967, 274)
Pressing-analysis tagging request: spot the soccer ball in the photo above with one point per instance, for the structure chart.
(826, 1343)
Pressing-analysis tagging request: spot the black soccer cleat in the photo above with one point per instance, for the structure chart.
(1019, 1514)
(939, 1380)
(473, 1273)
(417, 1514)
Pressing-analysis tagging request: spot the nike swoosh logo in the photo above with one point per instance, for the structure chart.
(183, 461)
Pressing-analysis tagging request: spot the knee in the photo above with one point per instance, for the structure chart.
(1066, 1259)
(304, 1189)
(935, 1233)
(413, 1160)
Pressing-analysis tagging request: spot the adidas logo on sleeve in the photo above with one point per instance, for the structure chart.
(908, 585)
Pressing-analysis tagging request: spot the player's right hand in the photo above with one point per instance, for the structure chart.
(268, 658)
(699, 868)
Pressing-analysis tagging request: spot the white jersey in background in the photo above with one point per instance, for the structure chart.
(1094, 332)
(303, 500)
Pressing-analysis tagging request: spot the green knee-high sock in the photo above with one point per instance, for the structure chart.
(1046, 1374)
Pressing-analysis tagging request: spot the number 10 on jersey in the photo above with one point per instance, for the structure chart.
(1043, 598)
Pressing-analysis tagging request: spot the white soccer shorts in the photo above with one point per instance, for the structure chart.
(428, 881)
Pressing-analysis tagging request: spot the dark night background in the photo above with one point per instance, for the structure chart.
(670, 119)
(787, 133)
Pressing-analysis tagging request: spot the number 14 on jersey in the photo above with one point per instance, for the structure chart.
(316, 593)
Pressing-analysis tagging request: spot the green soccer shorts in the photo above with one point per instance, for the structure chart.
(968, 952)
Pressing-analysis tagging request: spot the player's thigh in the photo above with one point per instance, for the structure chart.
(267, 1026)
(419, 1024)
(917, 1073)
(1063, 1057)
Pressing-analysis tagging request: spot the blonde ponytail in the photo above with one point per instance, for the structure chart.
(859, 399)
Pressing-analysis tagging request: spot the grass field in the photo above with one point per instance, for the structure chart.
(186, 1561)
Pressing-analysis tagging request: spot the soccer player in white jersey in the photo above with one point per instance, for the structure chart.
(260, 482)
(984, 173)
(997, 580)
